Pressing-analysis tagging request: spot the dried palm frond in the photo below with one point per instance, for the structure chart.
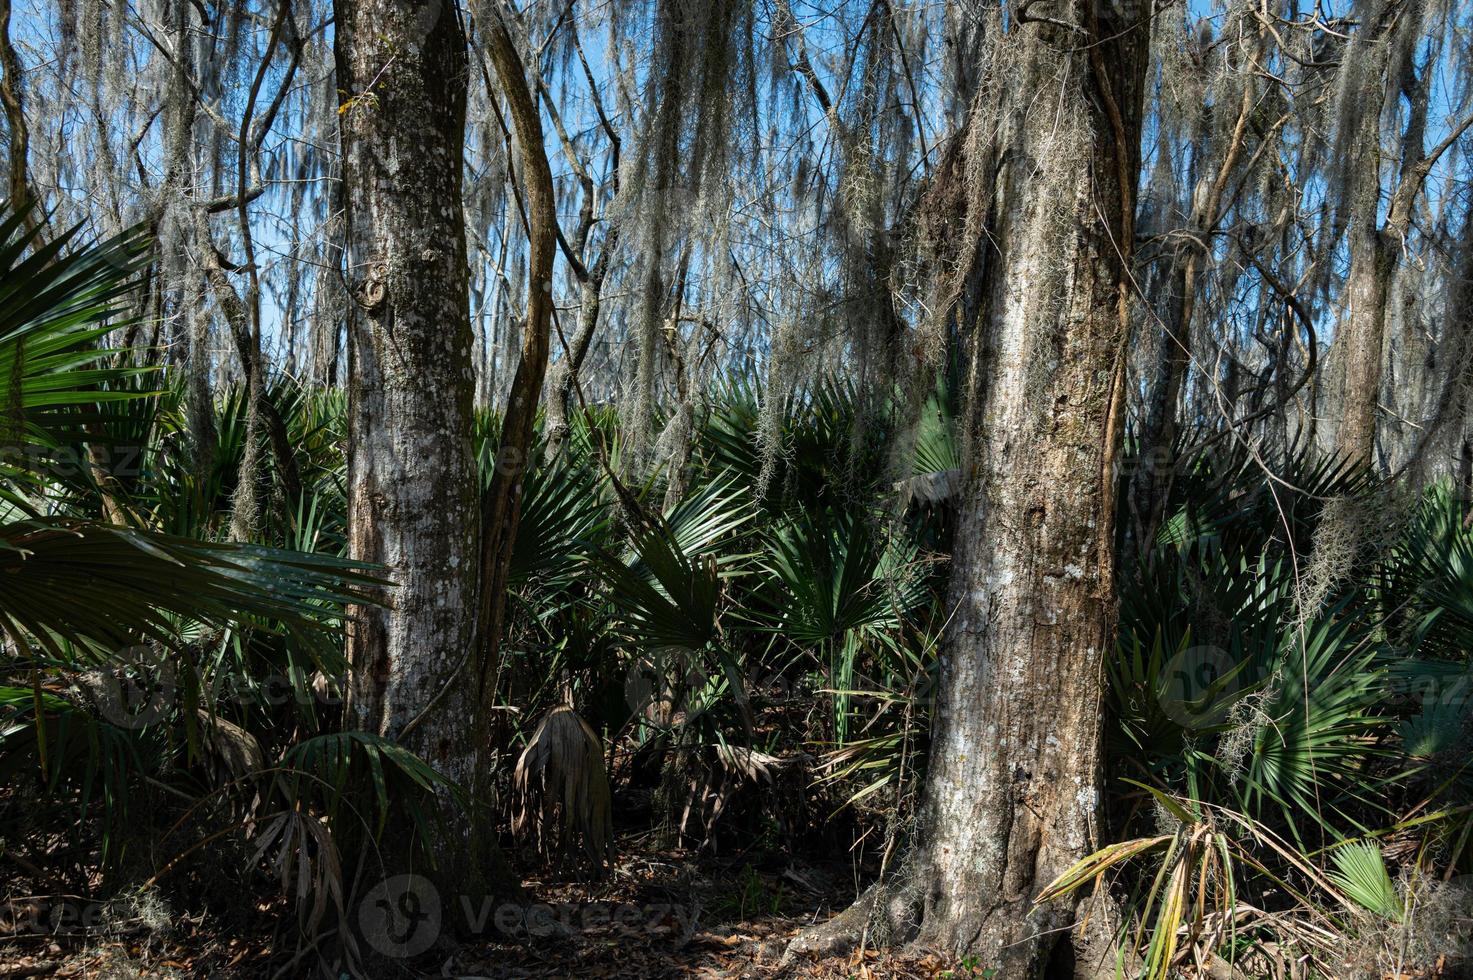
(562, 788)
(304, 856)
(752, 765)
(233, 752)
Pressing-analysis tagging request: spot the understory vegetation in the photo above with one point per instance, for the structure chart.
(735, 653)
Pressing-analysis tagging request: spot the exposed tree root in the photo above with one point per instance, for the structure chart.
(894, 914)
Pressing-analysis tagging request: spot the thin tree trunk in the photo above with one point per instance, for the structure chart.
(1436, 447)
(1371, 264)
(564, 374)
(18, 184)
(1155, 464)
(502, 506)
(1013, 789)
(241, 317)
(1376, 244)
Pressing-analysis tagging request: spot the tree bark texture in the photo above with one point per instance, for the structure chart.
(412, 484)
(1013, 786)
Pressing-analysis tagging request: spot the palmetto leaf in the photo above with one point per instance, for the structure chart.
(1360, 872)
(1437, 731)
(1428, 579)
(43, 285)
(842, 576)
(75, 582)
(810, 444)
(710, 515)
(1092, 866)
(667, 598)
(1320, 714)
(935, 470)
(845, 588)
(564, 515)
(79, 754)
(54, 307)
(562, 767)
(330, 769)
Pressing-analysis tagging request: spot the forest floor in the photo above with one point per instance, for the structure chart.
(660, 914)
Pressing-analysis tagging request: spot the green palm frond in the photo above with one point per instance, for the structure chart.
(1427, 580)
(344, 768)
(844, 588)
(841, 575)
(74, 582)
(1360, 872)
(565, 513)
(1315, 735)
(1438, 731)
(709, 515)
(667, 598)
(55, 306)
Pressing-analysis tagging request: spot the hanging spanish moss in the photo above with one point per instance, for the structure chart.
(680, 180)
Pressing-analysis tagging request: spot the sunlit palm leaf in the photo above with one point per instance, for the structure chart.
(74, 582)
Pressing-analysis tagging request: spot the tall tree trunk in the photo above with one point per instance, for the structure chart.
(18, 184)
(1443, 441)
(1362, 329)
(412, 484)
(1150, 485)
(1012, 793)
(1376, 243)
(1364, 339)
(501, 509)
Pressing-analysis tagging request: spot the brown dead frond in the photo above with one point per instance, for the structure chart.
(562, 788)
(748, 763)
(232, 751)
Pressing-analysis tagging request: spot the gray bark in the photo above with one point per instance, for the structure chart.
(1364, 340)
(1013, 788)
(1375, 243)
(563, 375)
(412, 484)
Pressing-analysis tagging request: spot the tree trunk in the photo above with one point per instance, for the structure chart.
(412, 483)
(501, 509)
(1371, 265)
(1156, 465)
(1443, 444)
(562, 377)
(18, 185)
(1012, 793)
(1375, 244)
